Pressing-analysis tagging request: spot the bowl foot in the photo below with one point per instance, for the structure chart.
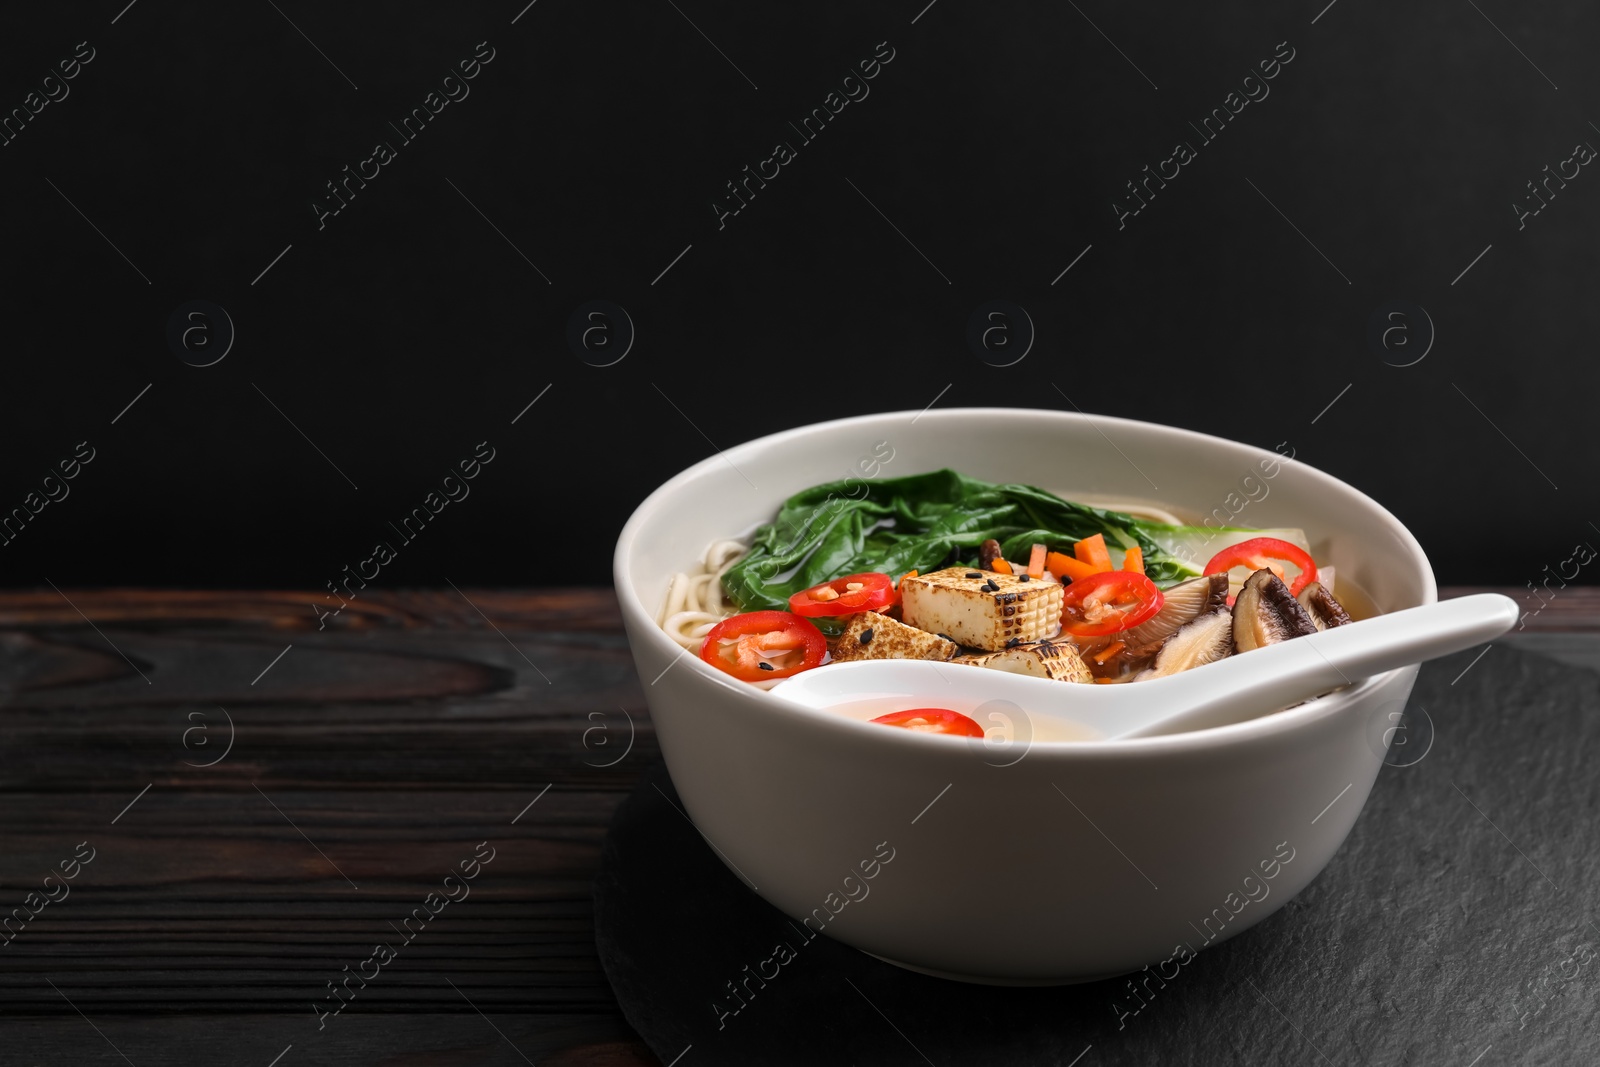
(983, 979)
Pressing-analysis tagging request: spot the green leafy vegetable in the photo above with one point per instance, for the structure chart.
(923, 522)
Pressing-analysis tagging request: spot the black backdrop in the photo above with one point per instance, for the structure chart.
(583, 162)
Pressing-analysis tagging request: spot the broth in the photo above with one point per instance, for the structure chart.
(1003, 725)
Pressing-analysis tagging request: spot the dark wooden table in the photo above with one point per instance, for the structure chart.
(264, 802)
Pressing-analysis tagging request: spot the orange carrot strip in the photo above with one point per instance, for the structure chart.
(903, 577)
(1092, 550)
(1134, 560)
(1066, 568)
(1109, 651)
(1036, 562)
(1000, 566)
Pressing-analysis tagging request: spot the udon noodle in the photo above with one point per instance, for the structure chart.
(695, 601)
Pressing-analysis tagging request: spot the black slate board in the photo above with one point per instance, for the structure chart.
(1457, 925)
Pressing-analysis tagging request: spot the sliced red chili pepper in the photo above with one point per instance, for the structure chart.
(873, 592)
(1259, 552)
(762, 645)
(1108, 602)
(933, 721)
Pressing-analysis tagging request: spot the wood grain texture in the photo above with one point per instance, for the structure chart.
(354, 1040)
(361, 767)
(1575, 609)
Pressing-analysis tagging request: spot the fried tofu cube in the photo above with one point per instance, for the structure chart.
(983, 609)
(1058, 661)
(869, 635)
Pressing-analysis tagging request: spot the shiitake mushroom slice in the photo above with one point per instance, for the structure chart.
(1181, 604)
(1324, 610)
(1265, 613)
(1197, 642)
(988, 552)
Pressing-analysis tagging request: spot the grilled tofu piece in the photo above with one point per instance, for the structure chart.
(1056, 660)
(982, 608)
(869, 635)
(975, 659)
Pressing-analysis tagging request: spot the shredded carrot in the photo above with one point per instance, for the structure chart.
(1065, 567)
(1036, 562)
(903, 577)
(1092, 550)
(1000, 566)
(1109, 651)
(1104, 681)
(1134, 560)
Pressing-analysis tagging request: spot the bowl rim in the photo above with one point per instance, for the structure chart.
(642, 620)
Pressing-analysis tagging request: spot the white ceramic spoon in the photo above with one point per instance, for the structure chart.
(1243, 686)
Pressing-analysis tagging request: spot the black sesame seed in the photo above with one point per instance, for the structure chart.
(974, 574)
(764, 665)
(866, 636)
(1014, 642)
(1025, 578)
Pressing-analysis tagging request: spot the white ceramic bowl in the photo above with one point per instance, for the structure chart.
(1079, 860)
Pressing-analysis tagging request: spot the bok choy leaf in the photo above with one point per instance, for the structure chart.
(924, 522)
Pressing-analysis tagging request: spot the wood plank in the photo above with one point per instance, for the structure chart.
(1574, 609)
(439, 698)
(396, 739)
(356, 1038)
(206, 901)
(292, 610)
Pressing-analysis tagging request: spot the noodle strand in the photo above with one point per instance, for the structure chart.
(695, 601)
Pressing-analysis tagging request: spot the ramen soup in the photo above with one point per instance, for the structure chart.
(945, 567)
(1000, 725)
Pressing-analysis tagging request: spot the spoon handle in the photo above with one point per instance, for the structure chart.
(1267, 679)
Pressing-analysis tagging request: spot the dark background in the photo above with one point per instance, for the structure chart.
(596, 141)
